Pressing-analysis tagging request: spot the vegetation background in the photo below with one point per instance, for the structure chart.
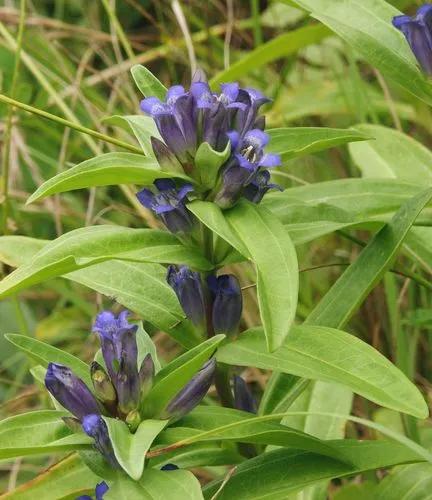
(74, 63)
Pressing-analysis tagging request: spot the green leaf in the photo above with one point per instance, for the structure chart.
(146, 346)
(69, 477)
(156, 485)
(208, 162)
(38, 432)
(44, 353)
(87, 246)
(226, 424)
(322, 353)
(273, 254)
(276, 474)
(213, 217)
(173, 377)
(105, 170)
(147, 83)
(140, 287)
(131, 449)
(366, 26)
(412, 482)
(298, 141)
(281, 46)
(390, 153)
(143, 127)
(350, 290)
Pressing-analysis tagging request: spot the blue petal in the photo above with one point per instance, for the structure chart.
(203, 96)
(174, 93)
(145, 197)
(153, 106)
(184, 190)
(423, 11)
(229, 92)
(245, 164)
(270, 160)
(398, 21)
(101, 489)
(256, 138)
(234, 138)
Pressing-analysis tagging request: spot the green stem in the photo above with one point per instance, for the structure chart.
(257, 32)
(8, 128)
(118, 29)
(70, 124)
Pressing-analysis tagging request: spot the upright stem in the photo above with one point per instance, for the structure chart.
(8, 128)
(222, 377)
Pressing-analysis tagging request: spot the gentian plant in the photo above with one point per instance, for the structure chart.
(258, 400)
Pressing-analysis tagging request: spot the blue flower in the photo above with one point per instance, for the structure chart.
(258, 186)
(169, 204)
(246, 166)
(418, 32)
(243, 398)
(227, 303)
(120, 352)
(188, 287)
(192, 393)
(70, 391)
(95, 427)
(100, 491)
(169, 467)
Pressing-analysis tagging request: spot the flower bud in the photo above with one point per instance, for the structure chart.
(95, 427)
(188, 288)
(192, 393)
(418, 32)
(103, 387)
(120, 352)
(243, 398)
(146, 375)
(133, 419)
(70, 391)
(227, 303)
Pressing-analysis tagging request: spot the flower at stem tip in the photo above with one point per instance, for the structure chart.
(418, 32)
(169, 203)
(101, 489)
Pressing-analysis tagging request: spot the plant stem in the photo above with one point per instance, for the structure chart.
(222, 376)
(67, 123)
(8, 127)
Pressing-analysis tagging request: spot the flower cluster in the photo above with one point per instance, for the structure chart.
(418, 32)
(121, 389)
(215, 305)
(227, 121)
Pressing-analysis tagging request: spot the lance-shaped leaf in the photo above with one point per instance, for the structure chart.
(346, 295)
(322, 353)
(298, 141)
(140, 287)
(38, 432)
(91, 245)
(105, 170)
(271, 250)
(147, 83)
(279, 473)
